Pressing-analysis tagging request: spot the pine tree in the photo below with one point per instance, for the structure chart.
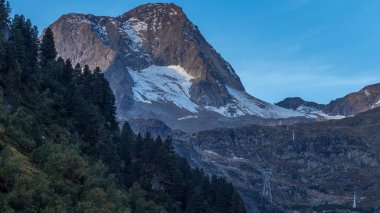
(31, 43)
(127, 134)
(77, 73)
(17, 40)
(14, 76)
(68, 73)
(47, 48)
(24, 37)
(2, 56)
(5, 10)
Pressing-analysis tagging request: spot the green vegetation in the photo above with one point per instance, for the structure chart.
(61, 149)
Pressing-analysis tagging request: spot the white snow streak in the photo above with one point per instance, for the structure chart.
(314, 113)
(163, 84)
(187, 117)
(172, 85)
(134, 29)
(244, 104)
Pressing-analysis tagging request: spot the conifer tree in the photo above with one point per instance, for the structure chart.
(24, 37)
(47, 48)
(68, 73)
(127, 135)
(5, 10)
(77, 73)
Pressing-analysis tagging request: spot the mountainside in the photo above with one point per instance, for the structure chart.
(61, 148)
(356, 102)
(366, 99)
(315, 166)
(160, 66)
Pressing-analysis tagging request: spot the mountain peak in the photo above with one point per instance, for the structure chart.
(158, 8)
(296, 102)
(148, 54)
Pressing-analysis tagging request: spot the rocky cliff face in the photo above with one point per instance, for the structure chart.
(153, 34)
(169, 38)
(366, 99)
(313, 166)
(160, 66)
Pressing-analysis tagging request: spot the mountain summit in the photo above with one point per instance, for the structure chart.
(159, 66)
(352, 104)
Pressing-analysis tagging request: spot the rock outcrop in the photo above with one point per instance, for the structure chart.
(296, 102)
(354, 103)
(314, 166)
(366, 99)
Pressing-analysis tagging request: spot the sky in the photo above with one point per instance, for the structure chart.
(315, 49)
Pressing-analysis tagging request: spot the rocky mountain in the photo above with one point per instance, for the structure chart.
(166, 77)
(356, 102)
(161, 67)
(366, 99)
(295, 102)
(309, 167)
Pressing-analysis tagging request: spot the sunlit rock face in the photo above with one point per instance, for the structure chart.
(161, 67)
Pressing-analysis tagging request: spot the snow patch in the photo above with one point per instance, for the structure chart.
(172, 84)
(238, 158)
(134, 29)
(315, 113)
(377, 104)
(367, 93)
(163, 84)
(211, 152)
(244, 104)
(187, 117)
(101, 32)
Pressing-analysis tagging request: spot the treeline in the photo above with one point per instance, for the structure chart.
(61, 149)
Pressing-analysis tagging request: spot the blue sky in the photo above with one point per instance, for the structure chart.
(316, 49)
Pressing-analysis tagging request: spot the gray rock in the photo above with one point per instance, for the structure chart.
(352, 104)
(323, 164)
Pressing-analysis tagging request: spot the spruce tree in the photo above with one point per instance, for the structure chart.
(68, 73)
(25, 40)
(5, 9)
(31, 44)
(47, 48)
(127, 135)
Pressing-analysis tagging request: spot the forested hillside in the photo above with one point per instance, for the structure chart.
(61, 149)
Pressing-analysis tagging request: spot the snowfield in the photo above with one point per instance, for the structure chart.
(171, 84)
(244, 104)
(163, 84)
(314, 113)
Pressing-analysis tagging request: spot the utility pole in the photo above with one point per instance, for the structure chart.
(267, 191)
